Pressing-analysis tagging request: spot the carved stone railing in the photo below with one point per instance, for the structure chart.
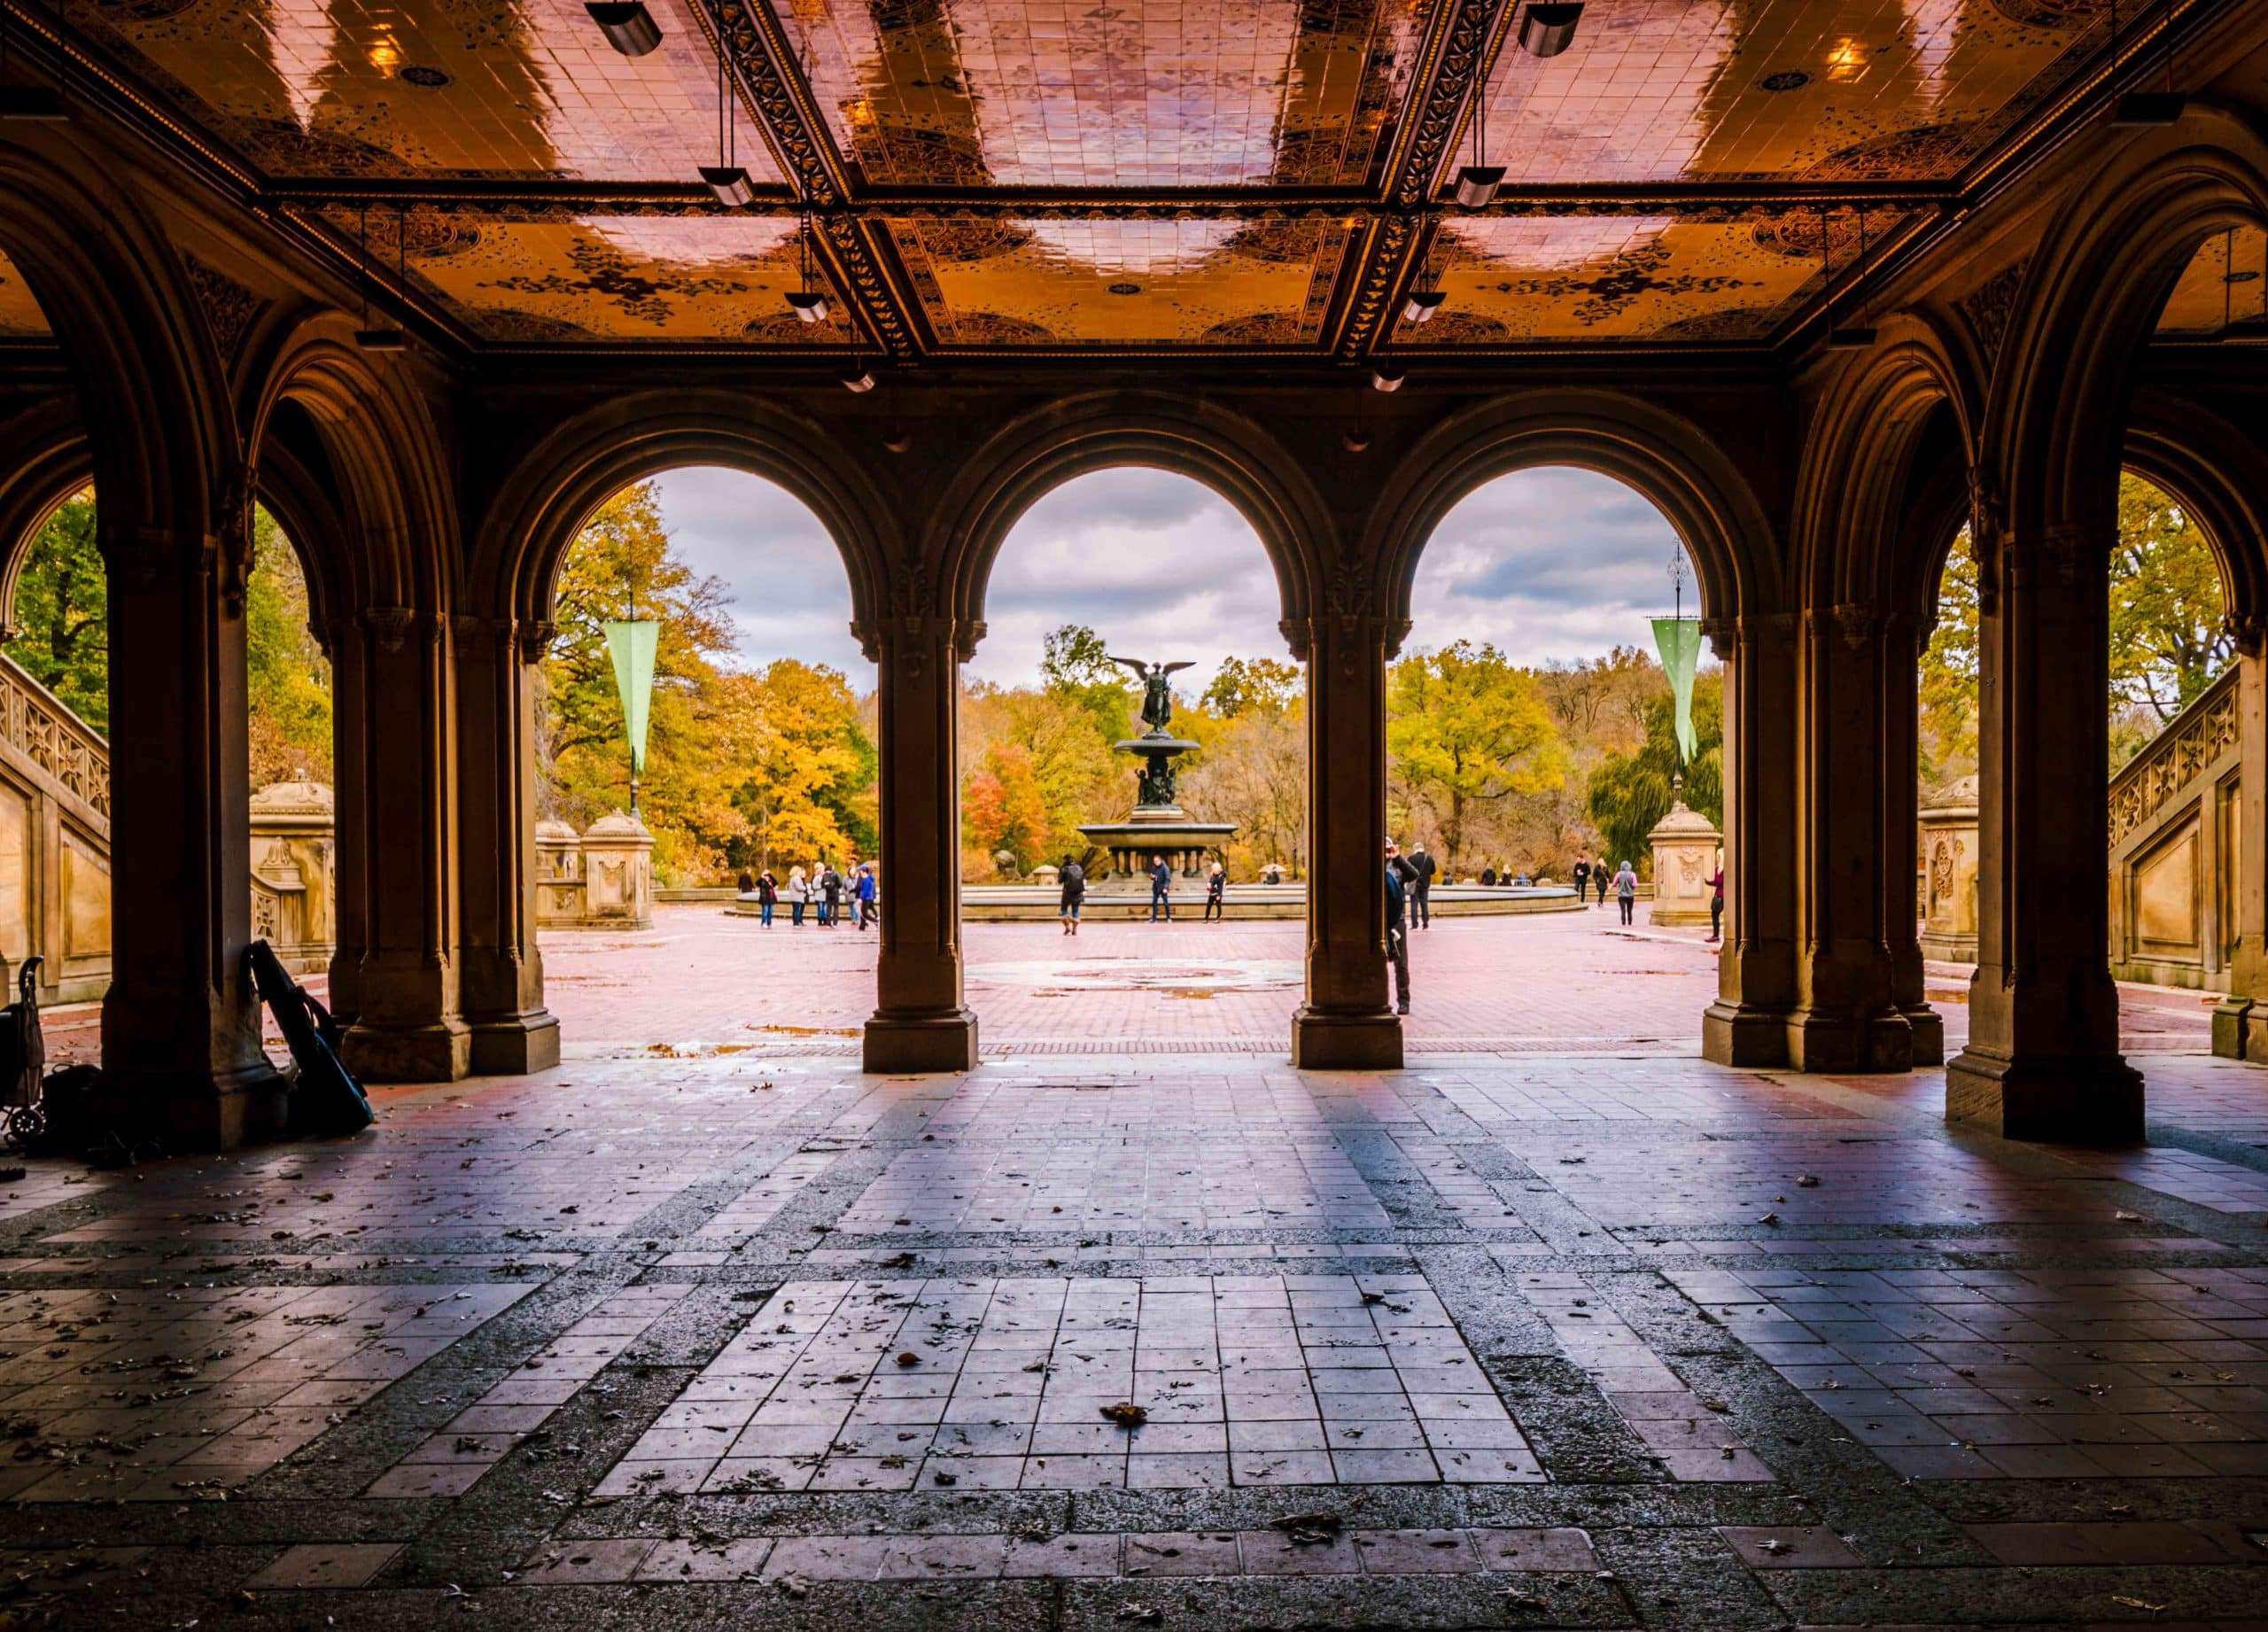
(2178, 755)
(54, 738)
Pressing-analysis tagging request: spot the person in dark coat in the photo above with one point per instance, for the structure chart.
(1161, 885)
(767, 896)
(1216, 889)
(1422, 869)
(1582, 877)
(1397, 928)
(1073, 880)
(830, 894)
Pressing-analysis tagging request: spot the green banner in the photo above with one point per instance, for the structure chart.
(1679, 640)
(631, 645)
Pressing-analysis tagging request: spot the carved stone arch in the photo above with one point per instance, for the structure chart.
(2220, 475)
(135, 342)
(1232, 455)
(2055, 416)
(553, 489)
(395, 543)
(1684, 473)
(1858, 473)
(49, 462)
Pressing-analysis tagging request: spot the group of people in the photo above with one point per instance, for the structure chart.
(1071, 879)
(1623, 882)
(834, 898)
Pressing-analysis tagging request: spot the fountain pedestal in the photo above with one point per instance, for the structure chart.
(1157, 826)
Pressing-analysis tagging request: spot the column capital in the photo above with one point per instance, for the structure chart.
(154, 558)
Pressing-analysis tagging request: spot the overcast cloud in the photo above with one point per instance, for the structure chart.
(1551, 564)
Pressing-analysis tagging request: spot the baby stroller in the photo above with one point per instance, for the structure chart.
(23, 1060)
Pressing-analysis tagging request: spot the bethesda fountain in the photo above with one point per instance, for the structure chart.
(1157, 826)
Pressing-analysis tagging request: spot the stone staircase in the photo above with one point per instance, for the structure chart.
(54, 840)
(2173, 830)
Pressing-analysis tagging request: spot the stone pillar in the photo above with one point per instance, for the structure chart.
(1903, 639)
(350, 839)
(1685, 845)
(2241, 1021)
(1747, 1024)
(1948, 822)
(558, 876)
(1348, 1022)
(1847, 1016)
(408, 1025)
(181, 1023)
(920, 1022)
(502, 971)
(2043, 1060)
(617, 874)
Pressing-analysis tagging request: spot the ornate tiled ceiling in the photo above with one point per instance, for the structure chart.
(2225, 282)
(1120, 176)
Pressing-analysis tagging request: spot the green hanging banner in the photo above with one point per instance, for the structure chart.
(1679, 640)
(631, 646)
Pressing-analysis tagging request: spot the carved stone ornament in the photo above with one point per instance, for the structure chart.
(2248, 632)
(389, 625)
(535, 636)
(232, 536)
(1856, 620)
(229, 307)
(1988, 308)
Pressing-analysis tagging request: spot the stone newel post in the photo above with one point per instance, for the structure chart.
(1685, 845)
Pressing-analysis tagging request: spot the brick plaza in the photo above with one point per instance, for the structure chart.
(1136, 1326)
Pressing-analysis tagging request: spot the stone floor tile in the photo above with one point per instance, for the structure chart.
(1536, 1549)
(1065, 1556)
(1790, 1547)
(564, 1563)
(1181, 1552)
(324, 1564)
(694, 1560)
(1416, 1552)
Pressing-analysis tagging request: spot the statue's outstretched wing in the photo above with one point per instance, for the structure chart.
(1141, 670)
(1168, 668)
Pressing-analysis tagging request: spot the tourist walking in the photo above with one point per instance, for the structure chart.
(1160, 889)
(1602, 877)
(1073, 879)
(1626, 891)
(799, 894)
(830, 896)
(1397, 928)
(767, 896)
(1421, 892)
(746, 883)
(1216, 888)
(1717, 903)
(864, 888)
(1582, 876)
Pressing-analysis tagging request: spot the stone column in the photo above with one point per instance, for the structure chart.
(1846, 1015)
(2042, 1060)
(181, 1023)
(408, 1025)
(2241, 1021)
(349, 751)
(1348, 1022)
(502, 980)
(1747, 1024)
(1903, 639)
(920, 1022)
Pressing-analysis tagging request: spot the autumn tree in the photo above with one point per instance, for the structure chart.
(2169, 629)
(1947, 681)
(1467, 730)
(802, 764)
(1629, 793)
(287, 676)
(62, 620)
(1242, 686)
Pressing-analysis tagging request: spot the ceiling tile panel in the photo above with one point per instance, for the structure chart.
(564, 278)
(21, 318)
(1141, 283)
(436, 88)
(1129, 93)
(2225, 282)
(1668, 90)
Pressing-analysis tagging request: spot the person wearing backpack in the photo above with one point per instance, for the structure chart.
(1073, 877)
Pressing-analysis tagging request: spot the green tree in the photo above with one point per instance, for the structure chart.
(1629, 793)
(62, 619)
(1073, 665)
(2169, 634)
(1241, 685)
(288, 676)
(1466, 730)
(1947, 681)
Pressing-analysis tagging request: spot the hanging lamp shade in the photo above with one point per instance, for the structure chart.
(33, 104)
(1387, 376)
(1679, 641)
(1421, 304)
(1548, 29)
(730, 183)
(628, 25)
(808, 304)
(1477, 184)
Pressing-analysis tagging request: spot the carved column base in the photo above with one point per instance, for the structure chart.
(197, 1111)
(1324, 1042)
(1736, 1034)
(1820, 1041)
(1929, 1030)
(900, 1046)
(440, 1051)
(514, 1044)
(2058, 1101)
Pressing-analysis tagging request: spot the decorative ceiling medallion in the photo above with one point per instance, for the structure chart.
(994, 328)
(429, 78)
(603, 271)
(967, 238)
(1787, 79)
(1126, 288)
(1925, 153)
(1256, 329)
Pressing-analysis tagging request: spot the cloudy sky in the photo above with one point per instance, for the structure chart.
(1551, 563)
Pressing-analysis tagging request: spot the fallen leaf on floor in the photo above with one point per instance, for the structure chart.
(1126, 1414)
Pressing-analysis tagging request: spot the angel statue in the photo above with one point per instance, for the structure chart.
(1157, 695)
